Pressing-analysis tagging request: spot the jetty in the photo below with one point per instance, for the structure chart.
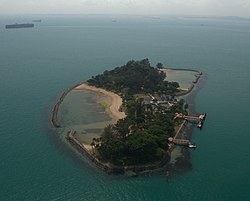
(199, 118)
(184, 142)
(178, 141)
(181, 142)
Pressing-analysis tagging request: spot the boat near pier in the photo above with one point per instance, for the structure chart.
(199, 119)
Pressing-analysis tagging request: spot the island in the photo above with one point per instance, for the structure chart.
(148, 114)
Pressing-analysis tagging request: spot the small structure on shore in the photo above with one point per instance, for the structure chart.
(181, 142)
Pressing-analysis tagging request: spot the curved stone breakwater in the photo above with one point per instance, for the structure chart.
(197, 77)
(54, 117)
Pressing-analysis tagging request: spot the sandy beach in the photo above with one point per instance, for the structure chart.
(115, 104)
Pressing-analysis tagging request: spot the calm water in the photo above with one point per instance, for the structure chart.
(36, 65)
(184, 78)
(81, 111)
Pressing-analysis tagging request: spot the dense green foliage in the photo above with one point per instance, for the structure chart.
(134, 77)
(142, 136)
(159, 65)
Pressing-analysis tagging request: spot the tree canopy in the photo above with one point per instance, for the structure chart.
(141, 137)
(134, 77)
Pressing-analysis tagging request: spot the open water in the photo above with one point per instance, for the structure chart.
(37, 64)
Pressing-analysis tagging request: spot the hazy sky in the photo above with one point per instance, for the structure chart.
(145, 7)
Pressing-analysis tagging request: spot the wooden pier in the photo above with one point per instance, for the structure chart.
(179, 141)
(200, 118)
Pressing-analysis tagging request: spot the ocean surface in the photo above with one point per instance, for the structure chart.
(37, 64)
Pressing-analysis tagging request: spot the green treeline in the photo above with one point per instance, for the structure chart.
(135, 77)
(142, 136)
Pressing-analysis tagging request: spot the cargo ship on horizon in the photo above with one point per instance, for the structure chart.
(36, 20)
(13, 26)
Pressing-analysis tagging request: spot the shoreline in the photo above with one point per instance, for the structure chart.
(183, 162)
(54, 116)
(113, 109)
(116, 101)
(132, 170)
(195, 81)
(115, 114)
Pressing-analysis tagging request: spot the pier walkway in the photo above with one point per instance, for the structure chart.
(200, 118)
(176, 140)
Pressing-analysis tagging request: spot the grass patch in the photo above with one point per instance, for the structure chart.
(139, 95)
(104, 105)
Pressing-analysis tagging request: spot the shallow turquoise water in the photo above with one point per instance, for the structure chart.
(36, 65)
(81, 111)
(81, 107)
(183, 77)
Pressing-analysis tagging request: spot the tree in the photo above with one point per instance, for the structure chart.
(108, 133)
(141, 147)
(159, 65)
(122, 127)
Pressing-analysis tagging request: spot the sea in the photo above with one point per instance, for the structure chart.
(38, 64)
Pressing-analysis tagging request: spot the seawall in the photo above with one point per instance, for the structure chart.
(54, 117)
(111, 168)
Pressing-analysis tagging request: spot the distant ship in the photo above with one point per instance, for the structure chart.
(13, 26)
(36, 20)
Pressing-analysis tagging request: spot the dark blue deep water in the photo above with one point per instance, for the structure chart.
(37, 64)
